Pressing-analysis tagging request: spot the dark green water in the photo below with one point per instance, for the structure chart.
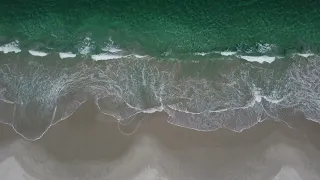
(155, 27)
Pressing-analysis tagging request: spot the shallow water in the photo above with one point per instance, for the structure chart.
(37, 92)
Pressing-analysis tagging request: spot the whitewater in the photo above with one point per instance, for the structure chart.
(194, 94)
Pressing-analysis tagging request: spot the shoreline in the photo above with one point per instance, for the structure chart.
(158, 149)
(204, 96)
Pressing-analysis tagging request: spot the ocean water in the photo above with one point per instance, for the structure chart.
(208, 65)
(162, 28)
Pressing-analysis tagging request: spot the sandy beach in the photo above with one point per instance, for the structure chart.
(90, 146)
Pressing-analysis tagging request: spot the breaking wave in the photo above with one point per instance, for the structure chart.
(204, 95)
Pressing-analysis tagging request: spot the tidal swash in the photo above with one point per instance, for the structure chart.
(207, 64)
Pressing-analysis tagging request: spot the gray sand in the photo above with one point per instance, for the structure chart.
(89, 146)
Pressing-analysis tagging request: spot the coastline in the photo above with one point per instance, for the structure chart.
(91, 146)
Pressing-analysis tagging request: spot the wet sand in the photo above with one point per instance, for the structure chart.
(90, 146)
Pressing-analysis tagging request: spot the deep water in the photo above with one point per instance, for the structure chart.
(161, 28)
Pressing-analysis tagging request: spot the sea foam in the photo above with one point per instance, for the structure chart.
(38, 53)
(64, 55)
(306, 55)
(222, 53)
(228, 53)
(86, 46)
(259, 59)
(111, 49)
(10, 47)
(105, 56)
(264, 48)
(201, 53)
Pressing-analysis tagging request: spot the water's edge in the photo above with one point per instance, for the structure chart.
(37, 92)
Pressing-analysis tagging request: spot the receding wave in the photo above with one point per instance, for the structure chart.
(204, 95)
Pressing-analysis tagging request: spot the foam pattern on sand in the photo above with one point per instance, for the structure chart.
(198, 96)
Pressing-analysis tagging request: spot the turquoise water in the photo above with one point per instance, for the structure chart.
(158, 27)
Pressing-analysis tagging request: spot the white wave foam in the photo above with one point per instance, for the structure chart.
(64, 55)
(10, 47)
(38, 53)
(201, 53)
(259, 59)
(222, 53)
(264, 48)
(137, 56)
(111, 48)
(257, 95)
(86, 46)
(228, 53)
(153, 110)
(105, 56)
(306, 55)
(85, 50)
